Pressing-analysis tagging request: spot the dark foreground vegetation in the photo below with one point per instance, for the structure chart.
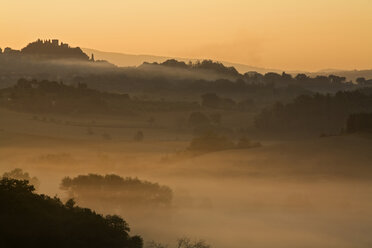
(32, 220)
(19, 174)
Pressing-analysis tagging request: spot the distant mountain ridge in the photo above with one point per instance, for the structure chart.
(50, 59)
(125, 60)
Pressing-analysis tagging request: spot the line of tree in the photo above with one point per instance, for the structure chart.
(166, 78)
(360, 122)
(204, 65)
(56, 97)
(317, 113)
(113, 192)
(171, 75)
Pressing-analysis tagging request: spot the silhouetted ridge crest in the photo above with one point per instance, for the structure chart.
(206, 65)
(52, 49)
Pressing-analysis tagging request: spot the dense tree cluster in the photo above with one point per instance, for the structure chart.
(33, 220)
(360, 122)
(364, 82)
(315, 113)
(114, 191)
(176, 78)
(50, 96)
(56, 97)
(204, 65)
(19, 174)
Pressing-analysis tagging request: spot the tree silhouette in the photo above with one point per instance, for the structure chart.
(112, 191)
(32, 220)
(20, 175)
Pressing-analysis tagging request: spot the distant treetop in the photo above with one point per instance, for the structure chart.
(207, 65)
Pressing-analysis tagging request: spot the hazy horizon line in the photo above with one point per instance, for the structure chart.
(330, 69)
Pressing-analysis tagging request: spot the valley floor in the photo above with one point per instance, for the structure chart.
(300, 193)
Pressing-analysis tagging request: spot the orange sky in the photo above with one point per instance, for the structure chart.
(282, 34)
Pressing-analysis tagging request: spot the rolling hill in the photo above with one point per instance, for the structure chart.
(124, 60)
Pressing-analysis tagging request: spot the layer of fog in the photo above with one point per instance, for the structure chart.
(226, 210)
(311, 193)
(69, 71)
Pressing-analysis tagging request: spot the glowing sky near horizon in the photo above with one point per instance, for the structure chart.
(282, 34)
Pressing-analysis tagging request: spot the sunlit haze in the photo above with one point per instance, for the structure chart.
(186, 124)
(280, 34)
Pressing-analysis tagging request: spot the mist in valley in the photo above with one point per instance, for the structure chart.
(286, 193)
(180, 153)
